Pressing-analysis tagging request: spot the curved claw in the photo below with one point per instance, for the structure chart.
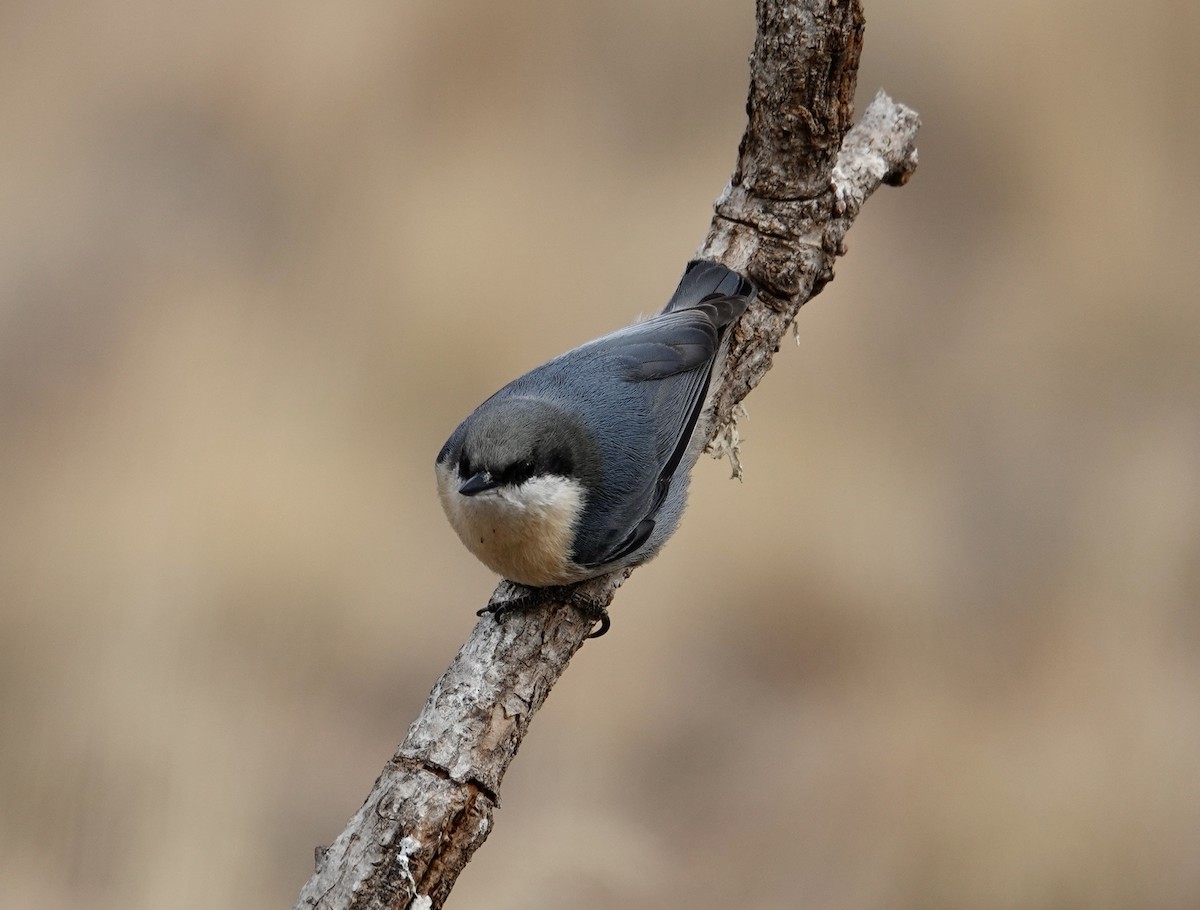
(502, 610)
(605, 625)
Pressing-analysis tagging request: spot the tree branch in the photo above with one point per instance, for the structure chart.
(802, 176)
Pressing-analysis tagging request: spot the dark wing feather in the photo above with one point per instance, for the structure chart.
(670, 357)
(674, 341)
(703, 279)
(663, 346)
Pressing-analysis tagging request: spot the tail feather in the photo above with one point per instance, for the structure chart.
(703, 278)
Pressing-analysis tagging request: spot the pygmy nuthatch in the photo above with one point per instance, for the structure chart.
(581, 466)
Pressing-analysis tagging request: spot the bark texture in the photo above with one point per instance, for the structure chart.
(802, 176)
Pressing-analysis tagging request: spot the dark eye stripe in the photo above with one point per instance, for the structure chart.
(561, 465)
(518, 472)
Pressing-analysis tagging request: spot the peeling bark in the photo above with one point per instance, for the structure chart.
(802, 176)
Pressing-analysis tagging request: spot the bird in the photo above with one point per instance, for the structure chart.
(580, 467)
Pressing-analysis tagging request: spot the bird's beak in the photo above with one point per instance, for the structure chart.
(477, 484)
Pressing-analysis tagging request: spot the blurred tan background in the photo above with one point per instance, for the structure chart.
(940, 650)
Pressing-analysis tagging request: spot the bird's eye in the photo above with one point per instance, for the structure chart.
(518, 472)
(464, 468)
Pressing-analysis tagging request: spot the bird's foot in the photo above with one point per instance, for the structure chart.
(525, 598)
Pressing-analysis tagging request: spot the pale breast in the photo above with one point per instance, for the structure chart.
(523, 533)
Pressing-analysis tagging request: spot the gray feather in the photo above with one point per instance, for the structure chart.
(626, 406)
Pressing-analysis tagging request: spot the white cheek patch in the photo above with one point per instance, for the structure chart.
(524, 533)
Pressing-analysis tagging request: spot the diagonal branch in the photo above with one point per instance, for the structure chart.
(802, 176)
